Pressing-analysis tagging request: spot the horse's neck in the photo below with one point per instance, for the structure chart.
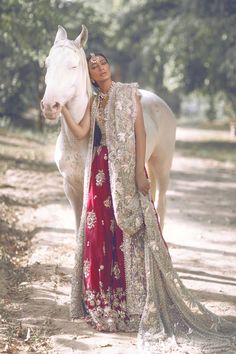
(77, 106)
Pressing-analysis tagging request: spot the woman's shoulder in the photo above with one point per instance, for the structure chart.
(127, 87)
(127, 84)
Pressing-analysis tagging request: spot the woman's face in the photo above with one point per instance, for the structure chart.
(99, 69)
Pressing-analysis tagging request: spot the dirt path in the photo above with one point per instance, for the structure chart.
(200, 229)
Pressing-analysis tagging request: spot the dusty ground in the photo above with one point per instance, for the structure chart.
(37, 241)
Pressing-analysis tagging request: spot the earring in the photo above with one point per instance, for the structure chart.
(93, 82)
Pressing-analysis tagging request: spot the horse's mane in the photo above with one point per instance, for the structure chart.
(85, 68)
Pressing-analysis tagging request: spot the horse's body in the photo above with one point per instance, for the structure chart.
(68, 82)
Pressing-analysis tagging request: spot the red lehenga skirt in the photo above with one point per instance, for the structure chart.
(104, 274)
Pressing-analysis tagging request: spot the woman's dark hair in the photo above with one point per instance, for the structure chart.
(97, 54)
(97, 130)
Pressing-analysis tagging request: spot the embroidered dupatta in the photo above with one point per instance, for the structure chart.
(173, 321)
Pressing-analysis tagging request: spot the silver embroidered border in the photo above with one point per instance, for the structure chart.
(76, 307)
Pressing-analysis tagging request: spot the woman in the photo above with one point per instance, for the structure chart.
(123, 278)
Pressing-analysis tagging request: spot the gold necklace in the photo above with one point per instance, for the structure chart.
(102, 102)
(103, 97)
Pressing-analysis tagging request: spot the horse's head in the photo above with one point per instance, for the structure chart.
(66, 68)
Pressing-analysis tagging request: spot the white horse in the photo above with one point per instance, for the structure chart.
(67, 81)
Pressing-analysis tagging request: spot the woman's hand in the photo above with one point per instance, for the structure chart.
(142, 183)
(81, 129)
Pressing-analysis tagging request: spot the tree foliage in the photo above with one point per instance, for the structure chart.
(24, 33)
(181, 46)
(173, 47)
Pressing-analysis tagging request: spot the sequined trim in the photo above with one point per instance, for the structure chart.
(76, 307)
(119, 127)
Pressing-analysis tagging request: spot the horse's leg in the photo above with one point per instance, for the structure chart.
(75, 197)
(160, 168)
(152, 178)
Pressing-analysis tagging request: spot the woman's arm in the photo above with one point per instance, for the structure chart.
(79, 130)
(140, 140)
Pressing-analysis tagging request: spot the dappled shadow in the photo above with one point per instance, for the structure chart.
(78, 344)
(209, 175)
(208, 147)
(202, 190)
(205, 277)
(73, 344)
(200, 249)
(203, 195)
(52, 229)
(53, 198)
(208, 296)
(232, 281)
(28, 164)
(20, 143)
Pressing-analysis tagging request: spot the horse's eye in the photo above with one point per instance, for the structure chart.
(74, 67)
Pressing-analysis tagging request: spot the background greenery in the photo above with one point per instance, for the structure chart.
(173, 47)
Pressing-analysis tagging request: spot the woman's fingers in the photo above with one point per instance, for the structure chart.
(143, 184)
(145, 188)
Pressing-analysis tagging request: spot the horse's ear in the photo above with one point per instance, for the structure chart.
(82, 38)
(61, 34)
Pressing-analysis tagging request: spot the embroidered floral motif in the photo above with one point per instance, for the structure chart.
(91, 219)
(105, 157)
(107, 202)
(108, 309)
(121, 137)
(86, 268)
(116, 271)
(118, 105)
(100, 178)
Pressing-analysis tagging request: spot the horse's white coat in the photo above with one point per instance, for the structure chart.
(67, 80)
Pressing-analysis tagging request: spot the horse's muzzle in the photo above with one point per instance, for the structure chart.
(50, 111)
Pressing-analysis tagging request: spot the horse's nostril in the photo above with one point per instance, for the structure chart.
(56, 105)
